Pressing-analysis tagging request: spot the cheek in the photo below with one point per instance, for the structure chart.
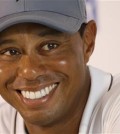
(6, 73)
(72, 68)
(62, 66)
(70, 64)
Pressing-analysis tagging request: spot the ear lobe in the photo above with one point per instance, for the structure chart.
(89, 39)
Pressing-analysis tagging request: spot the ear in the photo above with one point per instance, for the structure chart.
(89, 36)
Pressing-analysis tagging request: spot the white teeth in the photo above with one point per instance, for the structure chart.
(50, 88)
(54, 85)
(43, 93)
(32, 95)
(47, 90)
(38, 94)
(24, 93)
(27, 94)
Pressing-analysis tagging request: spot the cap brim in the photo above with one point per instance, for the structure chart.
(53, 20)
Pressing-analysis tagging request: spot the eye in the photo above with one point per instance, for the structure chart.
(49, 46)
(10, 52)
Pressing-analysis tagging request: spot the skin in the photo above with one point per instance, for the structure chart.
(28, 63)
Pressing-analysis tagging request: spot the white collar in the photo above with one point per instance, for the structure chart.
(100, 82)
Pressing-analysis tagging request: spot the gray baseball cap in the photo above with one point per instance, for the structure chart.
(63, 15)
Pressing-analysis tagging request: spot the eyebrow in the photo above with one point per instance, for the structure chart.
(6, 41)
(50, 32)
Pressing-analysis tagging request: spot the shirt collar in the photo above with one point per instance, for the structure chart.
(100, 82)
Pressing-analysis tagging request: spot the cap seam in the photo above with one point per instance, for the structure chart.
(37, 11)
(24, 5)
(80, 9)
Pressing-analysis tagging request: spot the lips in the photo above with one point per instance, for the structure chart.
(34, 95)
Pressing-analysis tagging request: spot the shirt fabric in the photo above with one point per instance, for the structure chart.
(100, 84)
(106, 116)
(11, 121)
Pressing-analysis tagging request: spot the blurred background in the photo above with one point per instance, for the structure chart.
(107, 51)
(106, 13)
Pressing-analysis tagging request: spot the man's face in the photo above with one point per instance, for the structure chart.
(42, 72)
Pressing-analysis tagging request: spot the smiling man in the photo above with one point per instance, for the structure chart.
(44, 48)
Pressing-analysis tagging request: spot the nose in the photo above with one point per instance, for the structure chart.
(30, 69)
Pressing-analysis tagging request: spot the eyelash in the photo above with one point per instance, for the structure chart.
(9, 50)
(46, 46)
(49, 46)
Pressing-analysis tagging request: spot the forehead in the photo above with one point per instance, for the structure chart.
(31, 28)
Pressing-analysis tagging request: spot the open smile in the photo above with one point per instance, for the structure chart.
(39, 94)
(36, 97)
